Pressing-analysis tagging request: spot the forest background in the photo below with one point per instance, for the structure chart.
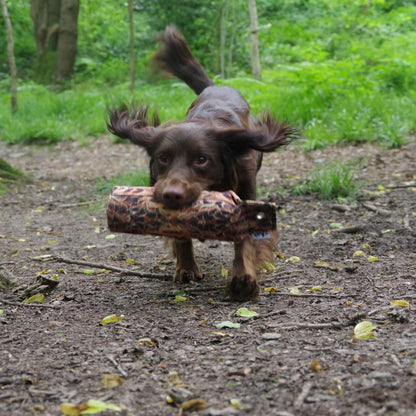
(340, 70)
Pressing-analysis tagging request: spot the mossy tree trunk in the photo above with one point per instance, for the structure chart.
(10, 55)
(55, 24)
(254, 28)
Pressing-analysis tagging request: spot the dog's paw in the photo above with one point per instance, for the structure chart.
(242, 288)
(185, 275)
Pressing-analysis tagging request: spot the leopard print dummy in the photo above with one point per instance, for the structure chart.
(214, 216)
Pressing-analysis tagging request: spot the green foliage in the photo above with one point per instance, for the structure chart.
(133, 178)
(340, 70)
(9, 176)
(331, 181)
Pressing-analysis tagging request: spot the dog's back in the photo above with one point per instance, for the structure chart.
(221, 104)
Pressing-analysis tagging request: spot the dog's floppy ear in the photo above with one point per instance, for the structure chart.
(133, 125)
(266, 135)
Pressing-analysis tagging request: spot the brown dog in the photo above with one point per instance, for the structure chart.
(217, 147)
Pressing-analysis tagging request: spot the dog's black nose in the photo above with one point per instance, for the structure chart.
(173, 197)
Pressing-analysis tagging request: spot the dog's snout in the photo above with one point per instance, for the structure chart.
(173, 197)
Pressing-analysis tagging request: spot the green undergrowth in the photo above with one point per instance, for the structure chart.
(330, 181)
(132, 178)
(10, 176)
(341, 71)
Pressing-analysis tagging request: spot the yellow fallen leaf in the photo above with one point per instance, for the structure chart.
(399, 303)
(224, 272)
(359, 253)
(96, 406)
(109, 381)
(367, 246)
(315, 366)
(147, 342)
(270, 289)
(111, 318)
(235, 403)
(293, 259)
(132, 261)
(43, 272)
(316, 288)
(39, 298)
(363, 330)
(294, 289)
(110, 236)
(72, 409)
(246, 313)
(192, 405)
(372, 258)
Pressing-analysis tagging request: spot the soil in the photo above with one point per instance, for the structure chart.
(297, 357)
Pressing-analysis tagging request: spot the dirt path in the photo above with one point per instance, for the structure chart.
(163, 349)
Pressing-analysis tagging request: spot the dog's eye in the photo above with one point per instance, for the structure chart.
(201, 161)
(163, 159)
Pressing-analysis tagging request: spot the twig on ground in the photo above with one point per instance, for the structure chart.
(31, 305)
(405, 185)
(80, 204)
(117, 365)
(303, 394)
(113, 268)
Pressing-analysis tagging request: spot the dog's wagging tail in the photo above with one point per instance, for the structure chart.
(217, 147)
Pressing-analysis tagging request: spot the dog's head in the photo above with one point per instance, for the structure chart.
(191, 156)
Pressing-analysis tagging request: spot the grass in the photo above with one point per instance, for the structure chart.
(10, 176)
(132, 178)
(341, 71)
(332, 181)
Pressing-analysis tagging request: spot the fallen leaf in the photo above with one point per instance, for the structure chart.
(96, 406)
(181, 297)
(315, 232)
(399, 303)
(1, 312)
(110, 236)
(192, 405)
(269, 266)
(372, 258)
(132, 261)
(88, 271)
(224, 272)
(109, 381)
(147, 342)
(246, 313)
(72, 409)
(227, 324)
(335, 225)
(363, 330)
(294, 289)
(316, 288)
(367, 246)
(43, 272)
(315, 366)
(39, 298)
(359, 253)
(235, 403)
(270, 289)
(111, 318)
(293, 259)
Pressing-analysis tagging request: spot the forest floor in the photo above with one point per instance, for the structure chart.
(297, 357)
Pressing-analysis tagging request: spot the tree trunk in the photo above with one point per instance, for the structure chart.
(255, 55)
(67, 39)
(131, 46)
(223, 37)
(55, 30)
(10, 55)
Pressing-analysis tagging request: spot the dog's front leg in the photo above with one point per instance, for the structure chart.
(244, 284)
(186, 267)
